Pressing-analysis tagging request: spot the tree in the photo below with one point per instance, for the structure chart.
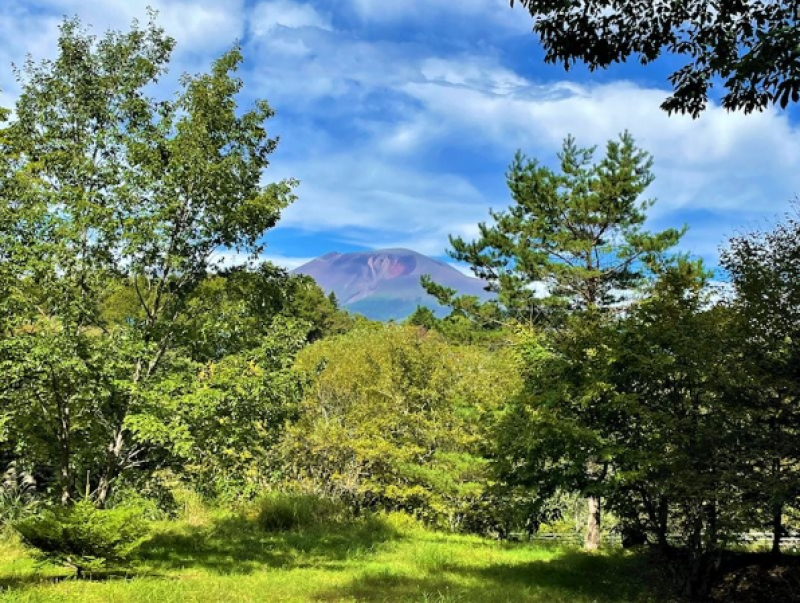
(109, 185)
(572, 242)
(233, 310)
(84, 537)
(423, 317)
(658, 400)
(682, 448)
(397, 418)
(764, 268)
(754, 46)
(216, 423)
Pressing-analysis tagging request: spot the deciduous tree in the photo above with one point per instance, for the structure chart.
(107, 184)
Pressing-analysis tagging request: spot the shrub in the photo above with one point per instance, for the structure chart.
(398, 420)
(281, 511)
(402, 523)
(84, 537)
(156, 494)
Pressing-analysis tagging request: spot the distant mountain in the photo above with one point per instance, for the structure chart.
(384, 284)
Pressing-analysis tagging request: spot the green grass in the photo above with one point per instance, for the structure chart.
(224, 557)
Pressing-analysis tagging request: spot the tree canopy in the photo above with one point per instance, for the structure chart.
(749, 47)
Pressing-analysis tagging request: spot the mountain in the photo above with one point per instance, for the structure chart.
(384, 284)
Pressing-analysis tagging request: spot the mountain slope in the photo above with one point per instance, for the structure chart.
(384, 284)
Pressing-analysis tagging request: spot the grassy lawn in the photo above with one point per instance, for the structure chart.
(228, 558)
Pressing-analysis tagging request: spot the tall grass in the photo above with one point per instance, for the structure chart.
(281, 511)
(17, 496)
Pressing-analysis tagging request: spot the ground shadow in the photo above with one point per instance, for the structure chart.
(573, 575)
(233, 545)
(748, 577)
(22, 581)
(239, 546)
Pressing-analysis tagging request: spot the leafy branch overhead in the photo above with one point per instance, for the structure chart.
(751, 48)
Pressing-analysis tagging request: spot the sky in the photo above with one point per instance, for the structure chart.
(400, 118)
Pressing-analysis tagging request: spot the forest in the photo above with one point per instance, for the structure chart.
(619, 423)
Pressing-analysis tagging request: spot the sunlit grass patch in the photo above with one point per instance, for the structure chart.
(218, 555)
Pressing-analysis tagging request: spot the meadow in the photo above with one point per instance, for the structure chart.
(226, 556)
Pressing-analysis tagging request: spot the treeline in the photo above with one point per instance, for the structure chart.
(650, 389)
(608, 368)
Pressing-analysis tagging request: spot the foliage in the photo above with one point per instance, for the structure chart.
(461, 327)
(576, 234)
(84, 537)
(753, 46)
(116, 206)
(658, 400)
(396, 418)
(423, 317)
(232, 311)
(685, 468)
(218, 427)
(764, 268)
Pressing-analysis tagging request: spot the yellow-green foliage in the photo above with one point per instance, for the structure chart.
(397, 418)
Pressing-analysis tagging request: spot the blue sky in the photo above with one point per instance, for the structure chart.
(400, 118)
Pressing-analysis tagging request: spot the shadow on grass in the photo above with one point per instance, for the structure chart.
(573, 576)
(22, 581)
(231, 546)
(239, 546)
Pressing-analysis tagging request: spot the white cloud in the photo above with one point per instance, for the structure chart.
(285, 13)
(382, 174)
(720, 162)
(202, 28)
(230, 258)
(199, 26)
(471, 72)
(383, 205)
(728, 167)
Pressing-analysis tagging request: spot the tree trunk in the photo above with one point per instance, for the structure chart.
(777, 529)
(592, 542)
(662, 523)
(66, 480)
(65, 470)
(112, 467)
(777, 506)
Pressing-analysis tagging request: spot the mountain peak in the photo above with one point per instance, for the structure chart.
(385, 283)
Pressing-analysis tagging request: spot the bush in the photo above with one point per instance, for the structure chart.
(402, 523)
(398, 420)
(84, 537)
(155, 494)
(281, 511)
